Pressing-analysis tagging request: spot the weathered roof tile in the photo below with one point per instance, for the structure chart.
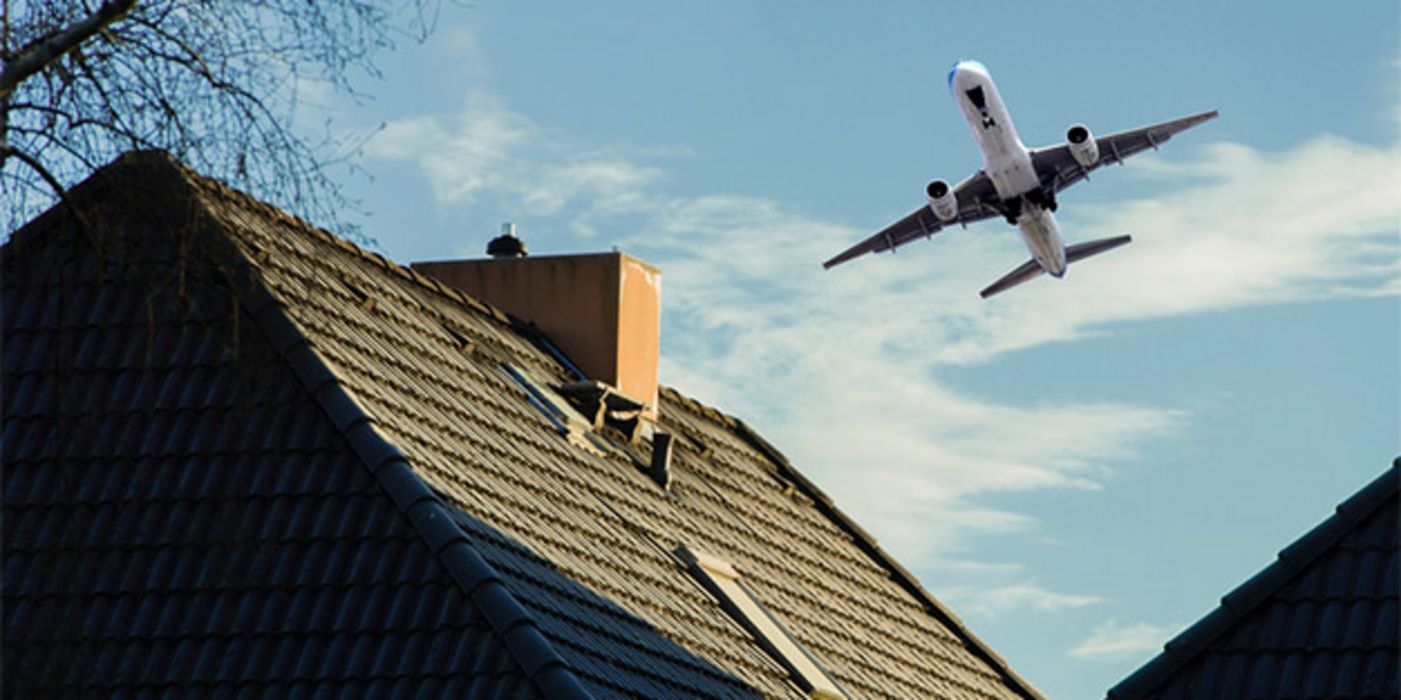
(369, 381)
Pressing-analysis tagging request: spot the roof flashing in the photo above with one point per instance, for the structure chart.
(707, 562)
(605, 406)
(568, 421)
(723, 580)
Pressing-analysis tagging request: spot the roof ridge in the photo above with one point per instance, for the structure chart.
(902, 576)
(206, 185)
(864, 540)
(429, 516)
(1249, 595)
(514, 626)
(698, 406)
(202, 186)
(76, 194)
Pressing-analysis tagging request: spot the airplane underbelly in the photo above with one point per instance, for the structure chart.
(1042, 237)
(1011, 173)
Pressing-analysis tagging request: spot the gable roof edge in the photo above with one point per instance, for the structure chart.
(1244, 598)
(898, 573)
(210, 185)
(427, 514)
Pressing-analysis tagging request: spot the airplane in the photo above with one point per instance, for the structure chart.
(1016, 183)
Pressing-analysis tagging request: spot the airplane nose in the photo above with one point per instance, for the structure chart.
(963, 70)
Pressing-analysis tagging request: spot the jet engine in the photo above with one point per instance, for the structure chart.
(942, 200)
(1082, 145)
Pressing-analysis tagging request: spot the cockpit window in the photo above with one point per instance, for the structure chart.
(976, 96)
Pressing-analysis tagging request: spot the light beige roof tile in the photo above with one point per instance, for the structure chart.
(392, 336)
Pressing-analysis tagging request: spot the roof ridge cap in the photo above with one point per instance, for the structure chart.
(698, 406)
(863, 540)
(897, 571)
(207, 185)
(483, 587)
(1251, 593)
(72, 200)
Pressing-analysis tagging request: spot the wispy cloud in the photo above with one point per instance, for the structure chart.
(487, 148)
(844, 368)
(998, 601)
(1110, 641)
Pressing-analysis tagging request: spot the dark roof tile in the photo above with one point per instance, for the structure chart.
(362, 467)
(1311, 625)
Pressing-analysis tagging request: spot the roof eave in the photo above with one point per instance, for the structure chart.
(430, 517)
(1182, 649)
(898, 573)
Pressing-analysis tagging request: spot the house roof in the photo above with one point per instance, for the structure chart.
(1318, 622)
(236, 360)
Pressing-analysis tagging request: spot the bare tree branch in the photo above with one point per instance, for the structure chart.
(220, 84)
(37, 167)
(35, 57)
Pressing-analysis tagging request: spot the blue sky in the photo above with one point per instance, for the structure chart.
(1079, 468)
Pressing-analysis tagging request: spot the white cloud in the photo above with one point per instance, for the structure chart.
(997, 602)
(459, 44)
(1111, 641)
(487, 148)
(843, 368)
(1232, 228)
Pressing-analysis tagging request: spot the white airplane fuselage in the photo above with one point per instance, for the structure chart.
(1007, 163)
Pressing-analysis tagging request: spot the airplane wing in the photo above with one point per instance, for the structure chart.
(1058, 168)
(977, 200)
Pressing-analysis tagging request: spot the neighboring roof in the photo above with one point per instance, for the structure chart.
(504, 512)
(1319, 622)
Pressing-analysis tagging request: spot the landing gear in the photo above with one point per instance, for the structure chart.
(1012, 209)
(1046, 199)
(1043, 198)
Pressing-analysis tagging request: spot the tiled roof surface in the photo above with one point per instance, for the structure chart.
(180, 517)
(1320, 622)
(583, 539)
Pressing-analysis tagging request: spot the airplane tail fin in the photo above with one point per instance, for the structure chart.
(1031, 269)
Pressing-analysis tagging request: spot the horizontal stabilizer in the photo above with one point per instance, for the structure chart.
(1029, 270)
(1080, 251)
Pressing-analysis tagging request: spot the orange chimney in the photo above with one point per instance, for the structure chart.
(602, 310)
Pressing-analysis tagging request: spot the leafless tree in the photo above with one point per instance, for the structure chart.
(217, 83)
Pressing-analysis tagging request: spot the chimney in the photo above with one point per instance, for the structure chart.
(507, 245)
(603, 310)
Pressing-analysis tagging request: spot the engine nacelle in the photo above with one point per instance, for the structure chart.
(942, 200)
(1082, 145)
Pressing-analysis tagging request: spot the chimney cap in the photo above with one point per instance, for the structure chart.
(507, 245)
